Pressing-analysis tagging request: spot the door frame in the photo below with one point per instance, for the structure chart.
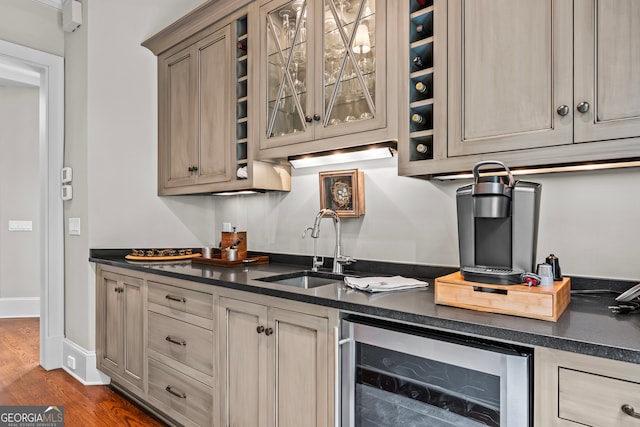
(50, 69)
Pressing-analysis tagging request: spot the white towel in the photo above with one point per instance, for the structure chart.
(383, 284)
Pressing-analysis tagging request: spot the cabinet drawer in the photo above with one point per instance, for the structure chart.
(192, 302)
(595, 400)
(176, 393)
(181, 341)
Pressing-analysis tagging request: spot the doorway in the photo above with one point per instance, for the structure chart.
(46, 71)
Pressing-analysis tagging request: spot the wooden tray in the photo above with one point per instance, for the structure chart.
(540, 302)
(252, 260)
(162, 258)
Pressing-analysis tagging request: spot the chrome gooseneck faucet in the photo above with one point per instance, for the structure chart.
(338, 259)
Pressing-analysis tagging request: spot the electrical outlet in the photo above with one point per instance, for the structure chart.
(71, 362)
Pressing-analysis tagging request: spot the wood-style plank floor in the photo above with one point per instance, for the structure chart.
(24, 382)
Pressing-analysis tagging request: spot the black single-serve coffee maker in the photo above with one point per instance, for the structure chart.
(497, 227)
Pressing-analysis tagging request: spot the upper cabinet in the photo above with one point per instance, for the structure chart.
(607, 75)
(529, 83)
(207, 130)
(194, 113)
(325, 73)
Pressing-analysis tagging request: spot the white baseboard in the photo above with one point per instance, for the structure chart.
(85, 364)
(19, 307)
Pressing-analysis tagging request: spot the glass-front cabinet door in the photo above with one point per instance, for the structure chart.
(324, 69)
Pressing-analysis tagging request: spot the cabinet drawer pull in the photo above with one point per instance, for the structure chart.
(176, 341)
(628, 409)
(173, 298)
(179, 394)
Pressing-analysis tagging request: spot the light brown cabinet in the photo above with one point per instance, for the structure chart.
(181, 351)
(324, 77)
(206, 119)
(119, 328)
(579, 390)
(276, 363)
(194, 113)
(530, 84)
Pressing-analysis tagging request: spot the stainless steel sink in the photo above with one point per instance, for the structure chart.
(304, 279)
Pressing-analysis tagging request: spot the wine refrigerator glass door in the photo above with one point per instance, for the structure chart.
(397, 377)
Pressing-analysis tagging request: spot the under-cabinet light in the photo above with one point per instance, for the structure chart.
(370, 152)
(236, 193)
(549, 169)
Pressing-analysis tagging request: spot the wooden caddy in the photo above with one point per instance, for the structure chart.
(540, 302)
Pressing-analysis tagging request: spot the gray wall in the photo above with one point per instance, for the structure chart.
(588, 219)
(110, 142)
(19, 192)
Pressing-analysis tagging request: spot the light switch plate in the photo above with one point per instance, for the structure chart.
(67, 192)
(20, 225)
(66, 175)
(74, 226)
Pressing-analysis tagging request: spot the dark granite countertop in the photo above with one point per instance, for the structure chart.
(587, 326)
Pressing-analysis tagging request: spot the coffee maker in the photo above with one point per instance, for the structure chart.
(497, 227)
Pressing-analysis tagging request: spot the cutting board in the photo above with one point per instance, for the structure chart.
(218, 262)
(162, 258)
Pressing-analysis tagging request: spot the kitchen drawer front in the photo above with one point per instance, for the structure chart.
(185, 300)
(179, 395)
(596, 400)
(181, 341)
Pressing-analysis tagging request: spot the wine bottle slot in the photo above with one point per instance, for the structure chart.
(418, 119)
(421, 88)
(421, 29)
(417, 61)
(422, 148)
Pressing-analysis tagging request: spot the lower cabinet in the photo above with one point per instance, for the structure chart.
(200, 355)
(277, 362)
(578, 390)
(181, 350)
(119, 328)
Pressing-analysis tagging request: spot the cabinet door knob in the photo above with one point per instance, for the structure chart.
(316, 117)
(563, 110)
(628, 409)
(308, 119)
(268, 331)
(583, 107)
(195, 168)
(190, 169)
(260, 329)
(176, 341)
(176, 393)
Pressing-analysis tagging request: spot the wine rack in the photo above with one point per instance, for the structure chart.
(242, 98)
(421, 70)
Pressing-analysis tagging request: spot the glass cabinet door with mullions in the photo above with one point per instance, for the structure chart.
(323, 69)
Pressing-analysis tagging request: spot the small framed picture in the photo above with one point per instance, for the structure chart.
(343, 192)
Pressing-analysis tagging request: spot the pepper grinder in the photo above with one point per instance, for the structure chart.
(555, 266)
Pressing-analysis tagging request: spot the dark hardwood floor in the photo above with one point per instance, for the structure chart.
(24, 382)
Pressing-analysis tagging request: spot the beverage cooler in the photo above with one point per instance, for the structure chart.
(396, 375)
